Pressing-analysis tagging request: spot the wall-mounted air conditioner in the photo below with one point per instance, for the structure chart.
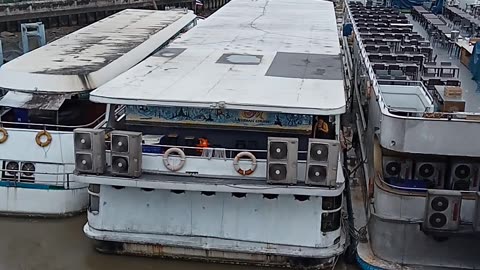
(464, 176)
(433, 173)
(442, 211)
(282, 160)
(397, 168)
(126, 153)
(89, 145)
(322, 162)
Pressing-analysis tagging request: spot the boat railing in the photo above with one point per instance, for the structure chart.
(459, 116)
(413, 190)
(98, 122)
(205, 152)
(65, 181)
(94, 123)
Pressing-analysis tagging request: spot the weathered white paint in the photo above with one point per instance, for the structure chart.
(26, 201)
(169, 182)
(94, 54)
(223, 167)
(21, 146)
(239, 249)
(253, 219)
(193, 78)
(412, 208)
(198, 175)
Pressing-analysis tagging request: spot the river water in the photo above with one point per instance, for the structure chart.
(57, 244)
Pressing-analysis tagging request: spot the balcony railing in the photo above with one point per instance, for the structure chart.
(17, 180)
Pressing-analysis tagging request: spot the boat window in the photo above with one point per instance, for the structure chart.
(323, 128)
(331, 203)
(73, 112)
(330, 221)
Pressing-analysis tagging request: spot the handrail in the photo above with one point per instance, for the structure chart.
(17, 178)
(413, 189)
(34, 172)
(213, 148)
(94, 122)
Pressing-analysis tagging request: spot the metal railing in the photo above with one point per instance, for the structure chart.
(17, 178)
(209, 152)
(99, 121)
(95, 122)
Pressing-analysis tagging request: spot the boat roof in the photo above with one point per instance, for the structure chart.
(249, 55)
(95, 54)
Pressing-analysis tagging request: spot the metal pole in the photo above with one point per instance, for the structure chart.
(352, 248)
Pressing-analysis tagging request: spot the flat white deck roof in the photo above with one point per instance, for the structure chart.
(268, 55)
(94, 54)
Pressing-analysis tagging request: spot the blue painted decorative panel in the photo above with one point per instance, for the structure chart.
(213, 117)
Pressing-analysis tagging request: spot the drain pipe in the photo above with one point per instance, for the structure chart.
(350, 253)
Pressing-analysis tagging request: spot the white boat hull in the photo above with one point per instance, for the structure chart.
(42, 202)
(217, 227)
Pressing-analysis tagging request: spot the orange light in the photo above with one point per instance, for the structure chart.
(202, 143)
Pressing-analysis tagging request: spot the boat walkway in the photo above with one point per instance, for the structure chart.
(469, 86)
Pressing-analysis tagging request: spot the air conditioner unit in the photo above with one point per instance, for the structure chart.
(431, 172)
(89, 145)
(28, 171)
(282, 160)
(322, 162)
(10, 169)
(442, 212)
(476, 216)
(126, 153)
(397, 168)
(464, 176)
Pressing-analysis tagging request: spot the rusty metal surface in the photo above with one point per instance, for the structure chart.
(32, 101)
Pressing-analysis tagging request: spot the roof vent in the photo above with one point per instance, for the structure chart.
(239, 59)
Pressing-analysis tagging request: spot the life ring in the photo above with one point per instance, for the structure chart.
(4, 135)
(245, 155)
(40, 135)
(167, 163)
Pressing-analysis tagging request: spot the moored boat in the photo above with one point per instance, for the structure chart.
(416, 114)
(47, 97)
(229, 147)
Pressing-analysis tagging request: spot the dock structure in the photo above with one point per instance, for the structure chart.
(58, 13)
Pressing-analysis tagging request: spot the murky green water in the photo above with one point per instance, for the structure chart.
(54, 244)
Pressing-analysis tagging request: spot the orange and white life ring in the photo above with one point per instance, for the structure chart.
(241, 171)
(166, 160)
(3, 135)
(39, 139)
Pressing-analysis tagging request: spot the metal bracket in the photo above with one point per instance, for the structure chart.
(36, 30)
(1, 54)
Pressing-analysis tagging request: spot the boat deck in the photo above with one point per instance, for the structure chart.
(469, 86)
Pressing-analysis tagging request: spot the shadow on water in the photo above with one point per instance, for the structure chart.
(54, 244)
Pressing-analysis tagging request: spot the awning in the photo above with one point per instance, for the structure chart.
(32, 101)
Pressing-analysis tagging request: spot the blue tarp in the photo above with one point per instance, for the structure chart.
(474, 64)
(438, 8)
(406, 4)
(347, 29)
